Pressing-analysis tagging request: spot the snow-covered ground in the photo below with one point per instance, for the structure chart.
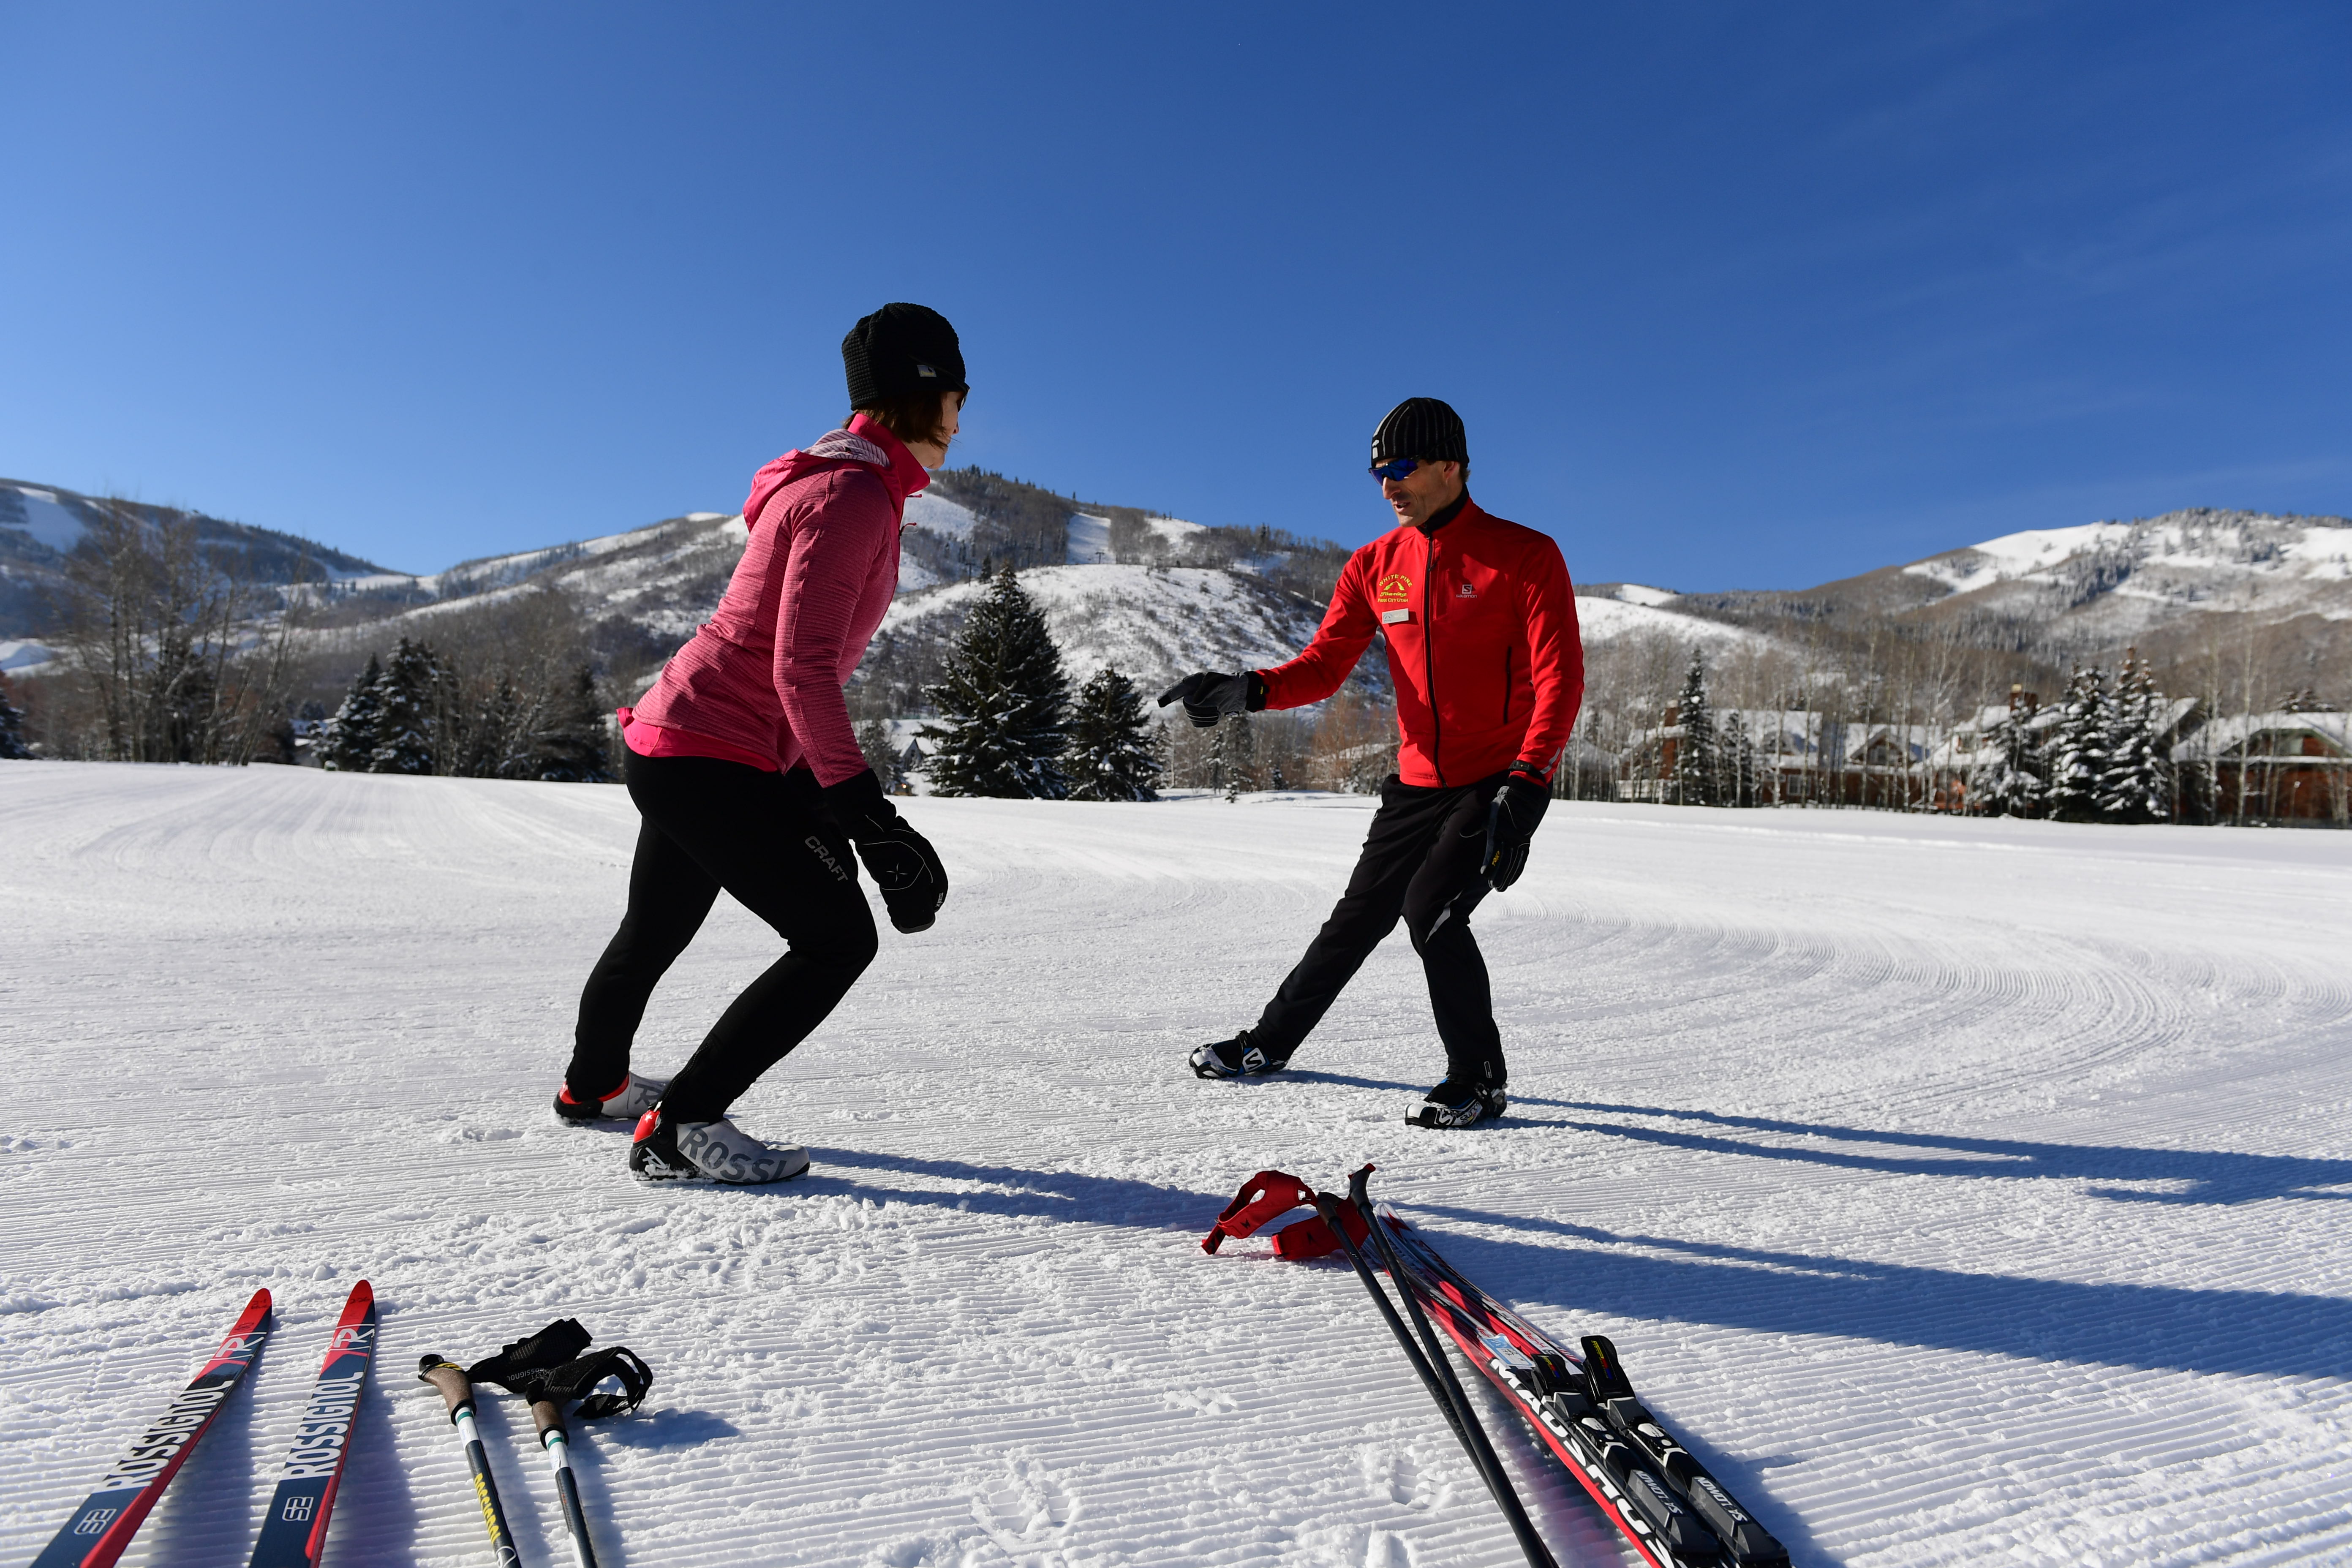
(1966, 1191)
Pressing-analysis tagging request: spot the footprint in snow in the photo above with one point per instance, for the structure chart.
(1028, 1513)
(1391, 1473)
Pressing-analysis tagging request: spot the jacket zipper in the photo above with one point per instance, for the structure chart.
(1429, 662)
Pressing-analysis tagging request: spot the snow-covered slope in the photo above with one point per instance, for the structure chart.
(2138, 573)
(1968, 1191)
(40, 525)
(1152, 623)
(1604, 621)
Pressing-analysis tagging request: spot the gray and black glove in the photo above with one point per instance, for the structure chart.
(1209, 697)
(1511, 821)
(901, 860)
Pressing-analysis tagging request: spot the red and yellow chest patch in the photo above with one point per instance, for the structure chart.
(1396, 588)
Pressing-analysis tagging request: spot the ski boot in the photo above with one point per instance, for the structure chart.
(1236, 1058)
(669, 1151)
(1459, 1102)
(636, 1096)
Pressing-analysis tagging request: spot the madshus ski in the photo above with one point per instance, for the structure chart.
(1581, 1406)
(294, 1531)
(102, 1527)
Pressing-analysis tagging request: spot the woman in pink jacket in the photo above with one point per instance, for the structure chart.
(748, 776)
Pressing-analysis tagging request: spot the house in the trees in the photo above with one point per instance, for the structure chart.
(2283, 766)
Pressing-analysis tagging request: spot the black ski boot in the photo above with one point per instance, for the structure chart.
(1459, 1102)
(1236, 1058)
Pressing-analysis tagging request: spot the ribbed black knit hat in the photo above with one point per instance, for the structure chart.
(1425, 428)
(898, 351)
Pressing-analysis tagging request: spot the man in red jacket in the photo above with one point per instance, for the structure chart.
(1480, 621)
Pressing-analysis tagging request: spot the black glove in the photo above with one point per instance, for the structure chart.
(1209, 697)
(1511, 825)
(901, 860)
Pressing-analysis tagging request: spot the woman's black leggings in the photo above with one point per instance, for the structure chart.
(765, 839)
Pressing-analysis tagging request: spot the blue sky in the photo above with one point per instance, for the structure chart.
(1731, 294)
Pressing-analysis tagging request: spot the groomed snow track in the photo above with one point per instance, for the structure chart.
(1963, 1192)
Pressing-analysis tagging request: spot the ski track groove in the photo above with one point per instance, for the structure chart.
(1924, 1170)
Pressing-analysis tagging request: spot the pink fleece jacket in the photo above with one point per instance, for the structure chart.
(765, 675)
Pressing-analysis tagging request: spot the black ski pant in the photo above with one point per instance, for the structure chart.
(1420, 860)
(766, 839)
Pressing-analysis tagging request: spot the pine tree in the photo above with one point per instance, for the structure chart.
(410, 692)
(2078, 750)
(497, 732)
(2011, 777)
(12, 728)
(1110, 755)
(571, 747)
(1234, 755)
(1694, 758)
(348, 742)
(2136, 786)
(1002, 704)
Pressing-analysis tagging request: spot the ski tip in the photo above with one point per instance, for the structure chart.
(361, 1302)
(257, 1308)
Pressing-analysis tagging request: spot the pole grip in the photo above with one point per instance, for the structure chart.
(547, 1416)
(456, 1388)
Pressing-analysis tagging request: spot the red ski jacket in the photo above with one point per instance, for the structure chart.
(1480, 620)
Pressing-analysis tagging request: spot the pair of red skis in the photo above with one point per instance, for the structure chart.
(295, 1530)
(1578, 1403)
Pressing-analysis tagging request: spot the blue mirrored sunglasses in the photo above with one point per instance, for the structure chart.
(1395, 470)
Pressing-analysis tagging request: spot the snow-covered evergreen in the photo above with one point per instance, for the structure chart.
(1233, 756)
(1695, 758)
(2078, 747)
(570, 745)
(348, 744)
(1110, 752)
(2136, 783)
(2010, 773)
(409, 694)
(1002, 704)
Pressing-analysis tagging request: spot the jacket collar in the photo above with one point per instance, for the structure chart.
(904, 475)
(1460, 508)
(864, 441)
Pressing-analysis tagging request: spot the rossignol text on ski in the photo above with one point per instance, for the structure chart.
(103, 1525)
(294, 1531)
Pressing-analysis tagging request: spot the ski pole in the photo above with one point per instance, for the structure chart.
(1474, 1436)
(1329, 1207)
(458, 1393)
(549, 1417)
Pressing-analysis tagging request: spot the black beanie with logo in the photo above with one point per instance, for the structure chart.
(1422, 429)
(898, 351)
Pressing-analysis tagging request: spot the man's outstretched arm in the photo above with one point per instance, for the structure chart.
(1317, 671)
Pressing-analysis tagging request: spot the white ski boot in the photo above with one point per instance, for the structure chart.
(668, 1151)
(636, 1095)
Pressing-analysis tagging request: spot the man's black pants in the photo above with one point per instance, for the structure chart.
(766, 839)
(1420, 860)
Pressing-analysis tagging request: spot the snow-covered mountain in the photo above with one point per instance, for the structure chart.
(2127, 576)
(1156, 596)
(41, 524)
(2095, 588)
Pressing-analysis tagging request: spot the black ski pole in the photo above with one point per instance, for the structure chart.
(1329, 1207)
(458, 1393)
(1474, 1436)
(552, 1437)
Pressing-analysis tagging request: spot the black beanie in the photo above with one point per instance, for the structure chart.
(899, 350)
(1425, 428)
